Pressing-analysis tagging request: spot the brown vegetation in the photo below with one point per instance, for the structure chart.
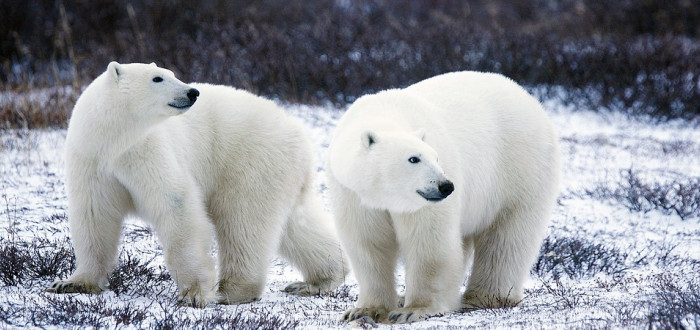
(642, 57)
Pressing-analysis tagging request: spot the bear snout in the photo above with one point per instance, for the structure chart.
(446, 188)
(192, 94)
(183, 103)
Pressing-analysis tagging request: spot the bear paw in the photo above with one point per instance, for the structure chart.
(231, 292)
(309, 289)
(407, 315)
(234, 300)
(194, 298)
(377, 314)
(73, 287)
(302, 289)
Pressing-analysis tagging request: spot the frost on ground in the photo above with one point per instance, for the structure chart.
(623, 248)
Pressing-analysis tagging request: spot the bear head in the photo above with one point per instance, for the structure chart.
(396, 171)
(148, 91)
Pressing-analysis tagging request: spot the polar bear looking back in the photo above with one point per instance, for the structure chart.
(457, 167)
(227, 162)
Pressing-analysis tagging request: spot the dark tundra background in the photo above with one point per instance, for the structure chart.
(637, 56)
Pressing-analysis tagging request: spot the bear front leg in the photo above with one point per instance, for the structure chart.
(373, 263)
(166, 194)
(430, 243)
(170, 200)
(370, 243)
(95, 227)
(186, 235)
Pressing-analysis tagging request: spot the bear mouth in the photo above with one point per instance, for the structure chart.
(181, 104)
(431, 196)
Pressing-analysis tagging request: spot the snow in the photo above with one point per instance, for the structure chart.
(597, 149)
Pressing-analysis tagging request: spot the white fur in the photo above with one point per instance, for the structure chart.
(233, 164)
(494, 142)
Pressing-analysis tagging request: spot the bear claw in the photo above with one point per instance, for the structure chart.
(72, 287)
(407, 315)
(376, 314)
(302, 289)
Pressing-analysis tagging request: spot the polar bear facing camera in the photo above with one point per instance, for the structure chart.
(225, 162)
(459, 169)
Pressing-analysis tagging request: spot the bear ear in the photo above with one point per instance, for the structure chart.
(114, 69)
(154, 64)
(420, 133)
(368, 139)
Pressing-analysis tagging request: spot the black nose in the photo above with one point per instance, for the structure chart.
(446, 188)
(192, 94)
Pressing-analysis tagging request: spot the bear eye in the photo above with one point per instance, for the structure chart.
(157, 79)
(414, 160)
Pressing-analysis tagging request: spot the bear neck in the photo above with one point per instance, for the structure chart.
(98, 133)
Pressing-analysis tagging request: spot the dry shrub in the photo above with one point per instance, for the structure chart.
(639, 56)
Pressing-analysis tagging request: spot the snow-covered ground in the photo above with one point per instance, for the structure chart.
(612, 257)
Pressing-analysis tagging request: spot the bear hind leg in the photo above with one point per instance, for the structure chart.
(503, 256)
(247, 232)
(309, 243)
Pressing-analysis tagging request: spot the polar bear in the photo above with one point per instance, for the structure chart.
(460, 169)
(230, 164)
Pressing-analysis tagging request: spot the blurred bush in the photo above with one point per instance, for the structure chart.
(639, 56)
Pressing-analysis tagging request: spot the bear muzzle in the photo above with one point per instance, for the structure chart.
(185, 102)
(444, 189)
